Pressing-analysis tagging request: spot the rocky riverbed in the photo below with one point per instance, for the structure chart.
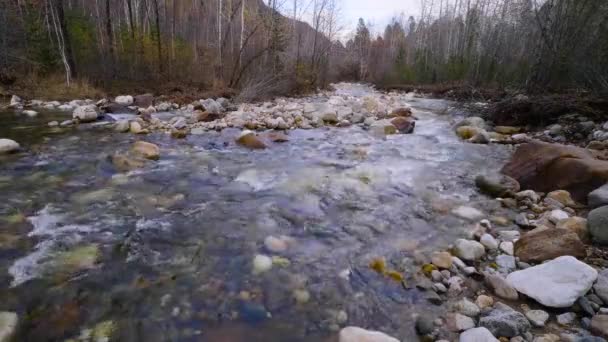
(349, 215)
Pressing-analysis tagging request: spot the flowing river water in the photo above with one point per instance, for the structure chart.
(165, 253)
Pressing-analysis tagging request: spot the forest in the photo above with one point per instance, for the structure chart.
(258, 47)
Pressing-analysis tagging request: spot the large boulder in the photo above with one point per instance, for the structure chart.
(125, 100)
(545, 167)
(597, 224)
(143, 100)
(505, 322)
(547, 244)
(146, 150)
(212, 106)
(85, 113)
(250, 140)
(382, 128)
(401, 112)
(557, 283)
(117, 108)
(15, 102)
(404, 125)
(356, 334)
(8, 146)
(473, 121)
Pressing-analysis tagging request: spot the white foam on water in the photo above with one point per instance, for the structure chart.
(47, 225)
(257, 179)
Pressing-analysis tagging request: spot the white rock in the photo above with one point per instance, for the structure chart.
(459, 263)
(538, 318)
(477, 335)
(458, 322)
(85, 113)
(261, 263)
(468, 213)
(468, 249)
(66, 107)
(557, 283)
(301, 296)
(16, 101)
(528, 194)
(8, 325)
(566, 318)
(355, 334)
(30, 113)
(489, 241)
(211, 106)
(125, 100)
(122, 126)
(557, 215)
(509, 235)
(8, 146)
(467, 308)
(507, 247)
(506, 263)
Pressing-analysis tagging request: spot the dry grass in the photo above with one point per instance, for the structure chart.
(54, 87)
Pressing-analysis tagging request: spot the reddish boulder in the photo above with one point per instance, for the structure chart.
(143, 100)
(404, 125)
(206, 116)
(401, 112)
(547, 244)
(545, 167)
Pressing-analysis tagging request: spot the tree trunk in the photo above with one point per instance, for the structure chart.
(66, 38)
(110, 38)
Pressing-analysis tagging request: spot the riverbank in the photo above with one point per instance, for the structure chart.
(271, 220)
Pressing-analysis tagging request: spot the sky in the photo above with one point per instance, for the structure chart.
(378, 12)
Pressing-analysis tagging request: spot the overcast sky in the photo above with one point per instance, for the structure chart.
(379, 12)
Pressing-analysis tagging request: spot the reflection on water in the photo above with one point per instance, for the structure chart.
(165, 253)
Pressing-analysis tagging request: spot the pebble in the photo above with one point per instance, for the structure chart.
(301, 296)
(501, 287)
(507, 247)
(506, 263)
(468, 249)
(484, 302)
(566, 318)
(468, 213)
(509, 235)
(538, 318)
(477, 335)
(275, 245)
(458, 262)
(467, 308)
(489, 241)
(261, 263)
(439, 287)
(457, 322)
(356, 334)
(442, 259)
(557, 215)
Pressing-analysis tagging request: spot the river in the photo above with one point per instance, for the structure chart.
(165, 253)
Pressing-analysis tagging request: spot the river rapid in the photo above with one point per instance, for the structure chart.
(166, 252)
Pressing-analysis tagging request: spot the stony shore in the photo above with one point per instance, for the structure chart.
(540, 277)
